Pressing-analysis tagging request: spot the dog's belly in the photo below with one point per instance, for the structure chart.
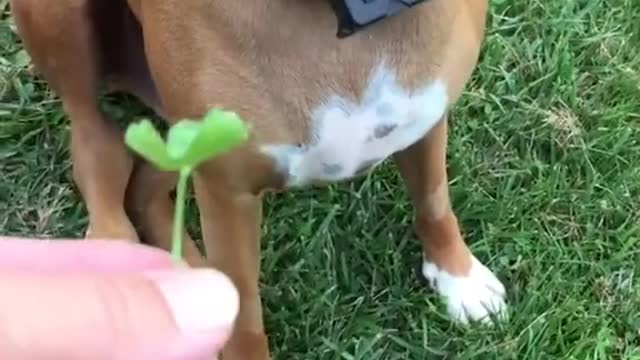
(351, 138)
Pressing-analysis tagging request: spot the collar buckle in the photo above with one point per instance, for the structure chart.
(354, 15)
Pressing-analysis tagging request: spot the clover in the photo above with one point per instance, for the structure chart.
(188, 144)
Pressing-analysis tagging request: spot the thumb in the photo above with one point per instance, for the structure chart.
(165, 315)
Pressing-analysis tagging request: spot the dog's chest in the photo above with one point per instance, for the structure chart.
(349, 138)
(348, 104)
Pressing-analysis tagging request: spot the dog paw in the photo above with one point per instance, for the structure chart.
(246, 345)
(88, 233)
(478, 296)
(123, 230)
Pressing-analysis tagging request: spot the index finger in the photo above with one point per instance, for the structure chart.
(26, 255)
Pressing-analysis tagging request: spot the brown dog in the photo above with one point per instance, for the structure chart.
(322, 109)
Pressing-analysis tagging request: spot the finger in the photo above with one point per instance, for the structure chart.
(72, 256)
(181, 314)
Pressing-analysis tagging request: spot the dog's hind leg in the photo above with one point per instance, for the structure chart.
(61, 41)
(151, 209)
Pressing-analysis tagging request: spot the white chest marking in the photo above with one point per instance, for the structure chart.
(350, 138)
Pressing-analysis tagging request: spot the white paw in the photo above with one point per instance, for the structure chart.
(474, 297)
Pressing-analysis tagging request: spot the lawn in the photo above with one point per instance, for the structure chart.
(544, 160)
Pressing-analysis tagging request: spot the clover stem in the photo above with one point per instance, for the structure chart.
(178, 220)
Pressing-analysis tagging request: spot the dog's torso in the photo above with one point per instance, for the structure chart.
(324, 109)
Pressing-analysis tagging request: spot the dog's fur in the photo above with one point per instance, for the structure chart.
(381, 93)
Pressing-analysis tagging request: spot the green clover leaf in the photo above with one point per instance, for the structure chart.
(144, 139)
(188, 144)
(192, 142)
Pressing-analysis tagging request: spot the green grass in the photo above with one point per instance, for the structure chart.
(544, 158)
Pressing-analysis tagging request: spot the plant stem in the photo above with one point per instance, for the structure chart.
(178, 220)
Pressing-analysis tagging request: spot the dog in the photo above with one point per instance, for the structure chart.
(322, 108)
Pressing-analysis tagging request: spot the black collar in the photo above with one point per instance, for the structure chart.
(353, 15)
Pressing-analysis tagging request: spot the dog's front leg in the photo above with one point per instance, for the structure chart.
(230, 221)
(472, 291)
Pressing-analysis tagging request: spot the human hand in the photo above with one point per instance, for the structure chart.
(108, 300)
